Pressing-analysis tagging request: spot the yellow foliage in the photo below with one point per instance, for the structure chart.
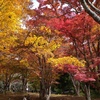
(66, 60)
(45, 29)
(53, 45)
(11, 12)
(30, 40)
(7, 41)
(96, 29)
(24, 63)
(56, 31)
(41, 46)
(41, 41)
(42, 28)
(36, 41)
(8, 17)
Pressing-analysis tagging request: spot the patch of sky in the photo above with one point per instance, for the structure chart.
(35, 4)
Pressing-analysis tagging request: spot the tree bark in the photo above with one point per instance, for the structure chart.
(45, 92)
(76, 85)
(24, 83)
(87, 92)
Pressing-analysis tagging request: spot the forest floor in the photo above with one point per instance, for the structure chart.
(35, 97)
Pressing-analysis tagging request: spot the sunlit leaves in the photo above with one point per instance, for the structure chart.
(66, 60)
(24, 63)
(96, 29)
(41, 46)
(30, 40)
(45, 29)
(7, 42)
(9, 17)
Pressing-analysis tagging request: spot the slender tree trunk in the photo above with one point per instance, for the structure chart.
(24, 80)
(6, 87)
(24, 83)
(76, 85)
(6, 83)
(87, 92)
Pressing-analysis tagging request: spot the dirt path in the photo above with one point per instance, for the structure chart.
(35, 97)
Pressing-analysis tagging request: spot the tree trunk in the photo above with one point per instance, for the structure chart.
(24, 83)
(45, 92)
(6, 83)
(87, 92)
(24, 80)
(76, 85)
(45, 84)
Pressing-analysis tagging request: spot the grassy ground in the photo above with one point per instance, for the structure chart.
(35, 97)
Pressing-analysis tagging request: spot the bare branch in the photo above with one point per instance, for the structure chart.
(93, 1)
(90, 12)
(93, 7)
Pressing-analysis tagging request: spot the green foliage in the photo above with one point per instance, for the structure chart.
(64, 85)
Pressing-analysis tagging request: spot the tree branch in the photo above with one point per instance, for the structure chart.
(93, 7)
(90, 12)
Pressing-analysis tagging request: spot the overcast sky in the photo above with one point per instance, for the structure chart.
(36, 4)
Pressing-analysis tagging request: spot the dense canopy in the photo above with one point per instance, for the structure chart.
(56, 37)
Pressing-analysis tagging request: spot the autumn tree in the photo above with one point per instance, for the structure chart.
(32, 50)
(7, 71)
(83, 40)
(33, 46)
(90, 6)
(80, 36)
(43, 49)
(11, 14)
